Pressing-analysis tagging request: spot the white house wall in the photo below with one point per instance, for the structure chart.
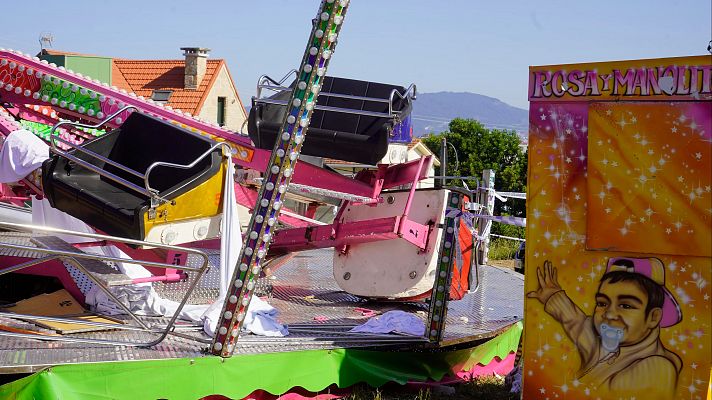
(235, 114)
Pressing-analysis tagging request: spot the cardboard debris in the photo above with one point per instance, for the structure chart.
(60, 304)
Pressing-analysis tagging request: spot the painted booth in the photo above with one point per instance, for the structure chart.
(619, 230)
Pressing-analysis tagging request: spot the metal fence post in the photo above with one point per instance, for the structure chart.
(486, 194)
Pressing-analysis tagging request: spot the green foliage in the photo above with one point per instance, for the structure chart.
(508, 230)
(487, 387)
(502, 249)
(479, 148)
(482, 387)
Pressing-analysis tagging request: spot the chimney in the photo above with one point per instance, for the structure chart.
(196, 62)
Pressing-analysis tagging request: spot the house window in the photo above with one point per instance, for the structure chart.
(161, 96)
(221, 111)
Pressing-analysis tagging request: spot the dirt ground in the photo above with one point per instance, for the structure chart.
(502, 263)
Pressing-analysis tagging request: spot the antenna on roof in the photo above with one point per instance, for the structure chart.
(46, 39)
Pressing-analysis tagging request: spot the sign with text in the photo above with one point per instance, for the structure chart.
(619, 221)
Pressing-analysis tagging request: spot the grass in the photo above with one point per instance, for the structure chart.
(502, 249)
(485, 388)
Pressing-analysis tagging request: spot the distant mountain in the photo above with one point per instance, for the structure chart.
(433, 111)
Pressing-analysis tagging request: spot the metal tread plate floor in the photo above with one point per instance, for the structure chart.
(317, 312)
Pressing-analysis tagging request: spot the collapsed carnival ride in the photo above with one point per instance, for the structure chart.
(152, 182)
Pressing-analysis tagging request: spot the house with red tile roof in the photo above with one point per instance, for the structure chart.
(195, 84)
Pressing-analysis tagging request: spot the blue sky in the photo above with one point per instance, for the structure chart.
(476, 46)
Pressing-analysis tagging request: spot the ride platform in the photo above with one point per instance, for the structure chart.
(319, 351)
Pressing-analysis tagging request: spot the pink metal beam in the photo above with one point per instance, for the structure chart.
(412, 171)
(7, 123)
(323, 236)
(29, 114)
(305, 174)
(347, 233)
(123, 97)
(247, 197)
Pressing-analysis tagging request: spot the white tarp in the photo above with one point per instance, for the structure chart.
(21, 153)
(142, 299)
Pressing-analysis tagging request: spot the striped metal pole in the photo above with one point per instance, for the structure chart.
(287, 146)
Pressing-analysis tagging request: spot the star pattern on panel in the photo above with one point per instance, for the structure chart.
(651, 186)
(559, 200)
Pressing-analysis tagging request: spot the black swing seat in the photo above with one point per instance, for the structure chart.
(140, 141)
(342, 127)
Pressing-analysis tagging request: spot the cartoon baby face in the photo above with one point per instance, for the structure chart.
(622, 306)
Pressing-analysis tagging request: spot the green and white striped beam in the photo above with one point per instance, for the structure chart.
(441, 287)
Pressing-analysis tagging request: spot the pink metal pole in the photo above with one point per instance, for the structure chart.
(414, 183)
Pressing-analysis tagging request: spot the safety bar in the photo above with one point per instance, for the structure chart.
(72, 258)
(411, 89)
(92, 154)
(146, 190)
(227, 152)
(264, 79)
(334, 109)
(267, 83)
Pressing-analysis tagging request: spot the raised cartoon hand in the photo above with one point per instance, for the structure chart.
(548, 283)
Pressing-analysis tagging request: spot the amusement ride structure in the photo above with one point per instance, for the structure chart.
(158, 186)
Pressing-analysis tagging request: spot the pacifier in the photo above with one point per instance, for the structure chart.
(611, 337)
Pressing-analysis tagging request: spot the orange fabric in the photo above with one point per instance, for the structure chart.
(460, 282)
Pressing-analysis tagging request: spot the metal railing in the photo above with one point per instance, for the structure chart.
(227, 152)
(73, 258)
(146, 190)
(265, 82)
(55, 149)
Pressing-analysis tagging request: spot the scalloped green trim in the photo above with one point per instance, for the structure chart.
(240, 375)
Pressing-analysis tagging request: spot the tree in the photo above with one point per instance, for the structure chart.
(479, 148)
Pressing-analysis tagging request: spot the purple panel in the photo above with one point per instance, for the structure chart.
(403, 131)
